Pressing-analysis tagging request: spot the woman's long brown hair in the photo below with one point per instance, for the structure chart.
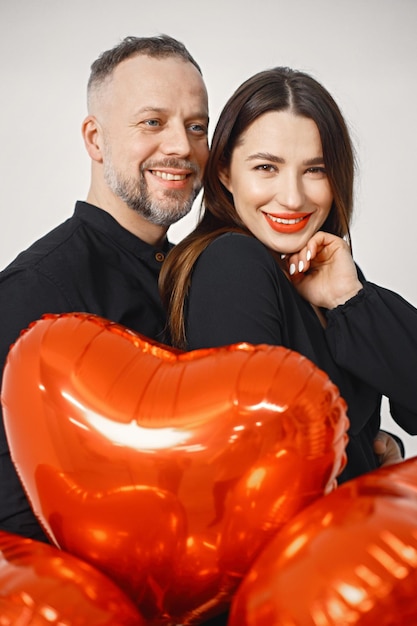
(277, 89)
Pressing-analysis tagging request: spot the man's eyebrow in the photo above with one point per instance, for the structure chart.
(157, 109)
(150, 109)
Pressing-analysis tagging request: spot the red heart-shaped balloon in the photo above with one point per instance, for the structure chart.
(349, 558)
(169, 471)
(40, 585)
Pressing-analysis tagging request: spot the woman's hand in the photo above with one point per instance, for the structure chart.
(323, 272)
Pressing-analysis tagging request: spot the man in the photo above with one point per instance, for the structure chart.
(147, 140)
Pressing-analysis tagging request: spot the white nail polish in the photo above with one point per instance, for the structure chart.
(308, 255)
(300, 266)
(292, 269)
(283, 256)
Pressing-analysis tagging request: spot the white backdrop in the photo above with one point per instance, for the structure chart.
(363, 51)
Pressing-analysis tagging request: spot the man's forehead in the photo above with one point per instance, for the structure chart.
(154, 82)
(159, 76)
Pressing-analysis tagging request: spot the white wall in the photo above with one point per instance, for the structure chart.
(364, 52)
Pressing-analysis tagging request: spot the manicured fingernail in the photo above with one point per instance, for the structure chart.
(283, 256)
(300, 266)
(308, 255)
(292, 269)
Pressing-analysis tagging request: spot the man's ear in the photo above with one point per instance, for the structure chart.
(225, 178)
(92, 135)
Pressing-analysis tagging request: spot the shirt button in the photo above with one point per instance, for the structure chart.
(160, 256)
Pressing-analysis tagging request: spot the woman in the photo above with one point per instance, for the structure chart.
(270, 260)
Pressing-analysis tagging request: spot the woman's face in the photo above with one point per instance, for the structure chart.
(278, 180)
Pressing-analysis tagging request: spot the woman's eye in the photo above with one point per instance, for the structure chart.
(317, 170)
(266, 167)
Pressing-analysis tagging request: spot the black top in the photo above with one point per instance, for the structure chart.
(89, 263)
(369, 348)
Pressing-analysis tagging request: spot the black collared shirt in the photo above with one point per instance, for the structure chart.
(89, 263)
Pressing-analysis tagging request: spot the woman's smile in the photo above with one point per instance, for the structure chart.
(287, 223)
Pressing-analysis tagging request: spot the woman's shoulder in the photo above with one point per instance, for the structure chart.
(235, 243)
(237, 255)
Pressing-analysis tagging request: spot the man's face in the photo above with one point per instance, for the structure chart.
(154, 117)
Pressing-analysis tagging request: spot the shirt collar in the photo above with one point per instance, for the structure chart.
(106, 223)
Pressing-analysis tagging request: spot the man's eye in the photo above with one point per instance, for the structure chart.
(200, 129)
(152, 122)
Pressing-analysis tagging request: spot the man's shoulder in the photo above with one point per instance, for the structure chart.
(48, 249)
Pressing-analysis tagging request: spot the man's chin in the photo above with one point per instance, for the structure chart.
(169, 214)
(166, 218)
(169, 220)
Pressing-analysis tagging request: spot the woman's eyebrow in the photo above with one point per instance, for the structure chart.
(319, 160)
(267, 156)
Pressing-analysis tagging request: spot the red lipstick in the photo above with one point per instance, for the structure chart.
(287, 222)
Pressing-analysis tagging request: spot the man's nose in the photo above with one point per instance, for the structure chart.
(176, 141)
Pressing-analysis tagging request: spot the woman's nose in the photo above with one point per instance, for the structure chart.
(290, 193)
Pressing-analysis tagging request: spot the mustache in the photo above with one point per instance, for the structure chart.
(170, 162)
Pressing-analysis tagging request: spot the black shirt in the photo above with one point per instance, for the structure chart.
(368, 349)
(89, 263)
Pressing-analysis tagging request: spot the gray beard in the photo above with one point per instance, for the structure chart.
(136, 196)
